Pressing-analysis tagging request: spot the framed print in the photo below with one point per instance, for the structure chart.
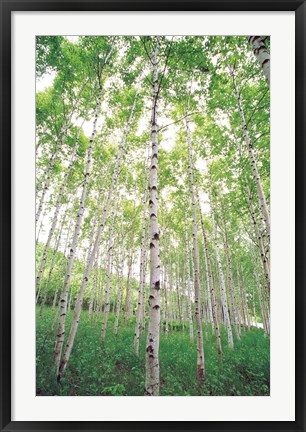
(152, 185)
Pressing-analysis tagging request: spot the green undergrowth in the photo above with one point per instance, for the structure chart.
(113, 368)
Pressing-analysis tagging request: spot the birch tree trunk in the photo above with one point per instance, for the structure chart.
(263, 254)
(262, 55)
(77, 229)
(188, 284)
(141, 270)
(94, 287)
(210, 284)
(166, 301)
(262, 308)
(222, 281)
(57, 209)
(128, 293)
(196, 266)
(119, 298)
(94, 223)
(260, 192)
(177, 284)
(62, 270)
(230, 280)
(108, 287)
(58, 241)
(59, 141)
(152, 346)
(104, 215)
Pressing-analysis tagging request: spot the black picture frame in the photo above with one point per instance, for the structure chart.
(6, 8)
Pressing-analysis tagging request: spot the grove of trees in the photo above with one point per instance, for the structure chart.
(152, 215)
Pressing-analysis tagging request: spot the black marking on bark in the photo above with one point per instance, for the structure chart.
(156, 307)
(157, 284)
(265, 61)
(156, 236)
(152, 245)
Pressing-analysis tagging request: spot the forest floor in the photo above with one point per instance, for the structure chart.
(114, 369)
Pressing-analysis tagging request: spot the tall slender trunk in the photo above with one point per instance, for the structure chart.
(58, 241)
(93, 287)
(93, 228)
(142, 259)
(119, 297)
(242, 300)
(222, 281)
(260, 192)
(230, 279)
(41, 225)
(63, 263)
(261, 303)
(263, 254)
(177, 285)
(128, 292)
(210, 284)
(77, 229)
(57, 209)
(262, 55)
(59, 141)
(108, 287)
(104, 215)
(144, 303)
(188, 284)
(196, 265)
(166, 301)
(152, 346)
(246, 302)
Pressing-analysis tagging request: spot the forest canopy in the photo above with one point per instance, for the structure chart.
(152, 215)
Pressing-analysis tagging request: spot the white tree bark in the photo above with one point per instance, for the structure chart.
(77, 229)
(262, 55)
(119, 298)
(196, 266)
(57, 210)
(104, 215)
(260, 192)
(263, 253)
(142, 260)
(210, 284)
(230, 280)
(222, 281)
(58, 241)
(188, 284)
(59, 142)
(152, 346)
(108, 287)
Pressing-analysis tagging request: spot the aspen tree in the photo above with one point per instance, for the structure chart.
(210, 283)
(142, 261)
(222, 281)
(188, 283)
(262, 55)
(197, 298)
(64, 296)
(91, 258)
(152, 345)
(256, 177)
